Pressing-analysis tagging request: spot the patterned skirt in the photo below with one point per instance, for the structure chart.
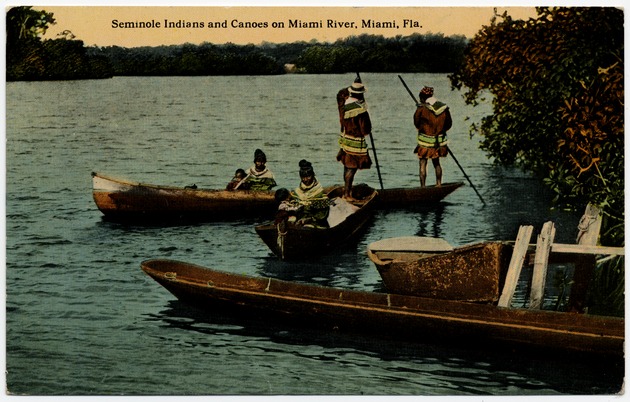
(431, 153)
(431, 147)
(354, 161)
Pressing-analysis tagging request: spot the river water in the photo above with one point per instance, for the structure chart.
(83, 319)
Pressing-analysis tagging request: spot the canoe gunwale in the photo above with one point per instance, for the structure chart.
(200, 192)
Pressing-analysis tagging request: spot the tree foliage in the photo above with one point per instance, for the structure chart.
(24, 23)
(322, 59)
(189, 59)
(24, 28)
(30, 58)
(556, 83)
(374, 53)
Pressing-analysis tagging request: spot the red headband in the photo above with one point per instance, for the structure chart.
(427, 91)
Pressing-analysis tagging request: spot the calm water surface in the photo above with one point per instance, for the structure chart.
(82, 318)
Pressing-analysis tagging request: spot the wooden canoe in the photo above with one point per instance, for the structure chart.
(390, 315)
(122, 199)
(415, 196)
(420, 267)
(292, 241)
(127, 200)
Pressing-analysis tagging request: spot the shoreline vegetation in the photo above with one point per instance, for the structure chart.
(67, 58)
(29, 58)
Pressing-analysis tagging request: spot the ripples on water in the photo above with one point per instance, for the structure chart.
(83, 319)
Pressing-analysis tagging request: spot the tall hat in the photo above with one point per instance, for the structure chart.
(426, 92)
(306, 169)
(357, 87)
(259, 155)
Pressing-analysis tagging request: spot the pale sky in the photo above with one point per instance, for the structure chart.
(101, 25)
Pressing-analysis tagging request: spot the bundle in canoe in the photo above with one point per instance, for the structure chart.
(415, 196)
(391, 315)
(127, 200)
(292, 241)
(430, 267)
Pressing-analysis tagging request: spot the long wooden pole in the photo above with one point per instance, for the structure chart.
(467, 178)
(378, 168)
(449, 149)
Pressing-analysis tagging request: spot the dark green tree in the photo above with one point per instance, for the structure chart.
(25, 27)
(24, 23)
(30, 58)
(318, 59)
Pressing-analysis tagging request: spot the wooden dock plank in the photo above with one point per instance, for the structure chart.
(516, 264)
(586, 249)
(539, 277)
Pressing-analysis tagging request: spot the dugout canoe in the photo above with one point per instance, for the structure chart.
(291, 241)
(122, 199)
(415, 196)
(429, 267)
(390, 315)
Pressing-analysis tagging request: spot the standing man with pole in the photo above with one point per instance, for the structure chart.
(447, 148)
(432, 120)
(355, 126)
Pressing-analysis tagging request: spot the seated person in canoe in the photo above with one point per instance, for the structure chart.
(259, 177)
(311, 197)
(288, 206)
(237, 181)
(309, 205)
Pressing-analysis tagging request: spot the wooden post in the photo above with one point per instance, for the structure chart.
(589, 226)
(588, 235)
(543, 247)
(516, 264)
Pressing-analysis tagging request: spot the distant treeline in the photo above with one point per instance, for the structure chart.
(373, 53)
(31, 58)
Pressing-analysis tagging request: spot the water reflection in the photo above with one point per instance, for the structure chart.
(314, 271)
(518, 199)
(343, 268)
(430, 221)
(400, 367)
